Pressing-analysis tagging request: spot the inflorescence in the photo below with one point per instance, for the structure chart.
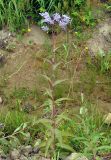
(55, 19)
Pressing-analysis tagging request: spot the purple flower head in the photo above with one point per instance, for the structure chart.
(63, 25)
(56, 17)
(45, 28)
(65, 20)
(47, 19)
(45, 14)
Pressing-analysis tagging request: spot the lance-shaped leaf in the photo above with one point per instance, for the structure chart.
(48, 79)
(46, 122)
(48, 145)
(66, 147)
(58, 101)
(48, 93)
(25, 125)
(58, 136)
(104, 148)
(62, 117)
(47, 60)
(48, 103)
(19, 128)
(56, 65)
(58, 82)
(26, 135)
(67, 134)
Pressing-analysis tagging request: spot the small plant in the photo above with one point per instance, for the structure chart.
(13, 130)
(108, 7)
(101, 62)
(89, 131)
(83, 18)
(88, 18)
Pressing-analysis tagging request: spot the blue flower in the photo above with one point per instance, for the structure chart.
(65, 20)
(45, 28)
(56, 17)
(47, 19)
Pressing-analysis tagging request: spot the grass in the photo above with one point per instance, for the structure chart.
(17, 15)
(90, 136)
(13, 13)
(12, 120)
(88, 133)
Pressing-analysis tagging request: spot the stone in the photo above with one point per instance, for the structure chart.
(27, 150)
(2, 59)
(43, 158)
(23, 157)
(76, 156)
(108, 119)
(2, 154)
(15, 154)
(36, 150)
(5, 34)
(1, 100)
(101, 38)
(8, 158)
(34, 157)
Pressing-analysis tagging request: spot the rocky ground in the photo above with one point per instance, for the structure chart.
(23, 153)
(101, 38)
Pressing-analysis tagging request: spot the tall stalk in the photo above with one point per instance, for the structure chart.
(52, 21)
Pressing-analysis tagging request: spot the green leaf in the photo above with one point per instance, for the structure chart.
(48, 103)
(62, 117)
(58, 101)
(27, 135)
(65, 47)
(59, 81)
(18, 129)
(37, 143)
(48, 145)
(48, 79)
(48, 93)
(67, 147)
(46, 122)
(58, 136)
(56, 65)
(80, 138)
(14, 141)
(104, 147)
(66, 134)
(24, 125)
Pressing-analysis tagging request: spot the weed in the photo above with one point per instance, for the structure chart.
(101, 62)
(12, 120)
(89, 132)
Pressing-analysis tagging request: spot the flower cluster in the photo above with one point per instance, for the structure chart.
(56, 18)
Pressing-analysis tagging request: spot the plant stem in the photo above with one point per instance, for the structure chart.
(52, 88)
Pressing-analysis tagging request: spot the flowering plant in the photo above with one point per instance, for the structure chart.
(55, 19)
(54, 136)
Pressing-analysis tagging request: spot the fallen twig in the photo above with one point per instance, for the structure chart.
(17, 70)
